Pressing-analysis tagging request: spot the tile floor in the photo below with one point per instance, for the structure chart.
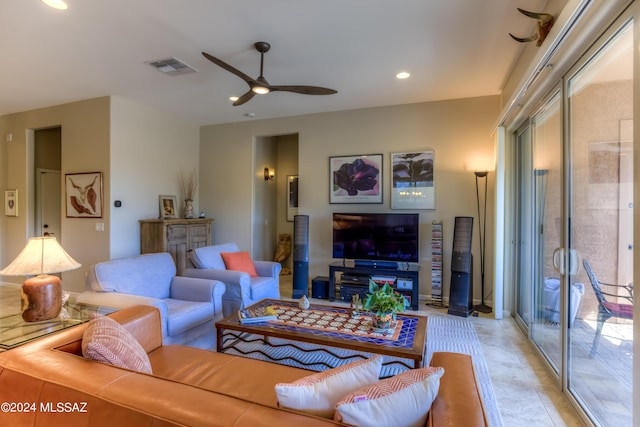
(524, 391)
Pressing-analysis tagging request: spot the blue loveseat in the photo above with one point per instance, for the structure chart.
(187, 305)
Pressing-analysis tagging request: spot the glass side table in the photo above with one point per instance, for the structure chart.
(14, 331)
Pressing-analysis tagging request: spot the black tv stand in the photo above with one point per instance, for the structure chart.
(407, 271)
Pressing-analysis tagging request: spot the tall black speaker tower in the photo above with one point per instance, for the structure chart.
(300, 255)
(461, 291)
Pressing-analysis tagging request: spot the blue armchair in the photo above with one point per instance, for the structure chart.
(241, 289)
(187, 305)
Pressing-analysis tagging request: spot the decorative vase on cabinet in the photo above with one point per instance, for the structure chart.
(188, 209)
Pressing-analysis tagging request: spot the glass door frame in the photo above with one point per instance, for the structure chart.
(566, 259)
(522, 142)
(525, 325)
(628, 18)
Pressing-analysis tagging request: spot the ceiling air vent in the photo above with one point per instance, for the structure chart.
(172, 66)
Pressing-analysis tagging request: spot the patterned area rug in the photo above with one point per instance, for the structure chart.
(444, 333)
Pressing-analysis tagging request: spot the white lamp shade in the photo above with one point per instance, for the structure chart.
(41, 255)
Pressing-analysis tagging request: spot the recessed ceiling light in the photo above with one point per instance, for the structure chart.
(403, 75)
(233, 98)
(56, 4)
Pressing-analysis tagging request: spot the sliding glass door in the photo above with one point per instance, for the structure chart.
(540, 207)
(575, 235)
(600, 123)
(524, 212)
(548, 280)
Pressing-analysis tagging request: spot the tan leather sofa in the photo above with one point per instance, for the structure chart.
(49, 383)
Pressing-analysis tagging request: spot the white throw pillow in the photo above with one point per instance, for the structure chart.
(400, 401)
(318, 394)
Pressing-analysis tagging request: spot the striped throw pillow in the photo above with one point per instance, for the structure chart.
(105, 340)
(400, 401)
(318, 394)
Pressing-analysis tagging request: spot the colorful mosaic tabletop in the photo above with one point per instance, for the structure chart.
(338, 323)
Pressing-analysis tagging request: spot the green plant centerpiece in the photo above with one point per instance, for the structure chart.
(384, 303)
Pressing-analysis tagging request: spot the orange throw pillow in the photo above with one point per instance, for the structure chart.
(239, 261)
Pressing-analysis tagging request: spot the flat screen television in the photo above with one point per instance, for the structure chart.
(376, 236)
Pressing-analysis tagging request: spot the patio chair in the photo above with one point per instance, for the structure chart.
(607, 309)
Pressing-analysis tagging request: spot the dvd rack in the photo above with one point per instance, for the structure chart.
(436, 264)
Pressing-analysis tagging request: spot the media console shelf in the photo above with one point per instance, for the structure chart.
(407, 278)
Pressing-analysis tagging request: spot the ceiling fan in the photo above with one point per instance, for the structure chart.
(260, 85)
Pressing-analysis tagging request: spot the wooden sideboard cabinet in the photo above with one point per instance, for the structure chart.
(176, 236)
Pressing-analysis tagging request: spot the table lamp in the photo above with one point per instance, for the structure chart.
(41, 292)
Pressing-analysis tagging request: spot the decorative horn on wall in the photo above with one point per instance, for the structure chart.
(545, 22)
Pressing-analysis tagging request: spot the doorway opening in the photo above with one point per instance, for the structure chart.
(272, 213)
(48, 184)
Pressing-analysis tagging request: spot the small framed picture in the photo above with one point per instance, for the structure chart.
(11, 202)
(355, 179)
(168, 207)
(292, 196)
(84, 195)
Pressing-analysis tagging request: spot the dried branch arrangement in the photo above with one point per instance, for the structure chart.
(189, 185)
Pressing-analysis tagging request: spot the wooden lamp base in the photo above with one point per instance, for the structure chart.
(41, 298)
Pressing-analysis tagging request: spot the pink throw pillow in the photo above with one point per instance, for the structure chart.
(402, 401)
(105, 340)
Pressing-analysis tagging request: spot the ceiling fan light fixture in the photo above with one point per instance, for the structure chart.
(56, 4)
(233, 98)
(261, 86)
(260, 90)
(403, 75)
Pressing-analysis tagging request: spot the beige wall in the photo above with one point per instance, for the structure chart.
(141, 153)
(287, 165)
(530, 53)
(48, 154)
(85, 148)
(458, 131)
(149, 151)
(264, 193)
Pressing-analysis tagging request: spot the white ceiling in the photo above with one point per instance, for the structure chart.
(452, 48)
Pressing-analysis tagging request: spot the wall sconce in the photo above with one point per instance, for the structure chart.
(269, 174)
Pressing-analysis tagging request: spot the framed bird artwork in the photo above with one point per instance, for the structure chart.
(84, 195)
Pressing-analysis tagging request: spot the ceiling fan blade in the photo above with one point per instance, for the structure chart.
(305, 90)
(244, 98)
(229, 68)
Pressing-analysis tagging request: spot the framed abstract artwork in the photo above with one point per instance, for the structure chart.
(83, 195)
(355, 179)
(412, 183)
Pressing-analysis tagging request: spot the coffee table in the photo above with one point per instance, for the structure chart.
(329, 326)
(14, 331)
